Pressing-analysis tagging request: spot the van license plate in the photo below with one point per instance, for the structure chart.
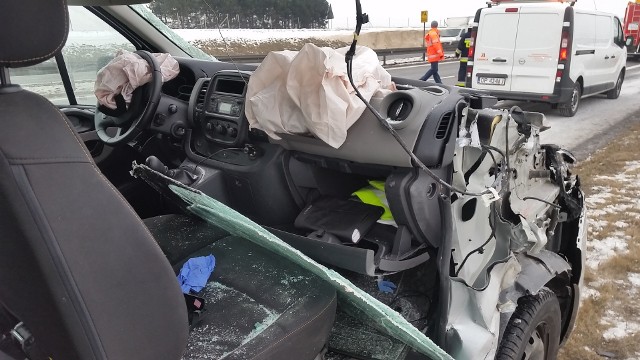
(491, 81)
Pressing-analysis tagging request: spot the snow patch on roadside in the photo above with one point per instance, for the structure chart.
(588, 292)
(618, 197)
(619, 328)
(599, 251)
(634, 279)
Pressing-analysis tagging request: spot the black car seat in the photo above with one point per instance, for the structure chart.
(81, 272)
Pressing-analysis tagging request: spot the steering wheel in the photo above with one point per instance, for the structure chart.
(143, 106)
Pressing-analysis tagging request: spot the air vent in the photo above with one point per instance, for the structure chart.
(202, 94)
(443, 127)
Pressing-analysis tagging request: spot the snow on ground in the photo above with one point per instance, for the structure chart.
(619, 327)
(257, 35)
(605, 201)
(634, 279)
(619, 197)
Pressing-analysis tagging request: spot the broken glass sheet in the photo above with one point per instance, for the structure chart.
(380, 315)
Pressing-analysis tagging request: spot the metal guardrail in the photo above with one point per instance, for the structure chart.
(382, 54)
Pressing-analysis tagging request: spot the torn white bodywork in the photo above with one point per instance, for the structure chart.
(491, 240)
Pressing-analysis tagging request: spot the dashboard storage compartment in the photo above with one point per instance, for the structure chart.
(349, 220)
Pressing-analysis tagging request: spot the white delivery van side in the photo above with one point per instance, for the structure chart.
(546, 52)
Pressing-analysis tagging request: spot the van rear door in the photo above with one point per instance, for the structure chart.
(495, 42)
(537, 50)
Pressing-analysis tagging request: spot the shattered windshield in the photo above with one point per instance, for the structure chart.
(354, 300)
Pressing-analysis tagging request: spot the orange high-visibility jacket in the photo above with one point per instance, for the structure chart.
(434, 46)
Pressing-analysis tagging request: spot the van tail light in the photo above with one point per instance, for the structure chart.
(511, 10)
(563, 54)
(472, 43)
(563, 57)
(470, 55)
(564, 46)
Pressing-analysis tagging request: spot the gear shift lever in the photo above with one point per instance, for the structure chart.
(155, 164)
(180, 174)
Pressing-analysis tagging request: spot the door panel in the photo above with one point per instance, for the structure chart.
(605, 64)
(494, 48)
(583, 60)
(537, 50)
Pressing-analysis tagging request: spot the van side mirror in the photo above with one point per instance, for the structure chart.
(629, 41)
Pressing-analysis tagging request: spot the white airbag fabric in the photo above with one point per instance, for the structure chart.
(128, 71)
(308, 91)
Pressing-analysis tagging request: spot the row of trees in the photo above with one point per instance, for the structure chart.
(250, 14)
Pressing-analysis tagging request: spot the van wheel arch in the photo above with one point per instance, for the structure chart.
(555, 275)
(535, 318)
(570, 108)
(615, 92)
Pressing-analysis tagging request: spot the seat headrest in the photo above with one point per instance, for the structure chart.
(31, 31)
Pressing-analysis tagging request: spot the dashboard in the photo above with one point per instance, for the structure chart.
(213, 128)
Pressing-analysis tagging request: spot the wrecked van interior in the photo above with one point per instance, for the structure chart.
(351, 215)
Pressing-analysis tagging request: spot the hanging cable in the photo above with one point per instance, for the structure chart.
(360, 20)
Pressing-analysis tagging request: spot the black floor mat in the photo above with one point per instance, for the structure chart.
(352, 339)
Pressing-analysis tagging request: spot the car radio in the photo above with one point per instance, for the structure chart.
(223, 120)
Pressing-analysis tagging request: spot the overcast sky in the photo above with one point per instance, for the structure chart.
(401, 13)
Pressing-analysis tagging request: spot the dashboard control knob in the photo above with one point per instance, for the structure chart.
(220, 129)
(233, 132)
(173, 109)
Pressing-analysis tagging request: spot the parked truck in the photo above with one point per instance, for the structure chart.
(632, 29)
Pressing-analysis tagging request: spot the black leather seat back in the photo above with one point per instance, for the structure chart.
(77, 265)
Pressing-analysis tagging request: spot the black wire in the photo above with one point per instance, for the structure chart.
(384, 122)
(400, 141)
(481, 247)
(543, 201)
(212, 155)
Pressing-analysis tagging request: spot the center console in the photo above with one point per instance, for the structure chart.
(218, 113)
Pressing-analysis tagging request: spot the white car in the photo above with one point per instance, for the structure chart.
(547, 52)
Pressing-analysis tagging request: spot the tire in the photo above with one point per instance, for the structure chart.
(570, 108)
(533, 332)
(615, 92)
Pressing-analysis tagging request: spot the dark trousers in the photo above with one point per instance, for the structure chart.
(433, 71)
(462, 74)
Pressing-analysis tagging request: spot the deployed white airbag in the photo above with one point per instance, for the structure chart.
(308, 92)
(128, 71)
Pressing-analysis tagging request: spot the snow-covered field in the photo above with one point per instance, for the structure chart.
(611, 208)
(257, 35)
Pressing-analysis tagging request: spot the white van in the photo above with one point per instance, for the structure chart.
(546, 51)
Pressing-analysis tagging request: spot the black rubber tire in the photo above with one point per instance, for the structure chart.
(569, 109)
(535, 322)
(615, 92)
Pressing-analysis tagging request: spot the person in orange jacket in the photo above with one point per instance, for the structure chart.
(435, 52)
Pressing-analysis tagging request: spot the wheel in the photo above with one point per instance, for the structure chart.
(615, 92)
(140, 113)
(533, 332)
(570, 108)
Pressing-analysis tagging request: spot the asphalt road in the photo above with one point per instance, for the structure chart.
(598, 121)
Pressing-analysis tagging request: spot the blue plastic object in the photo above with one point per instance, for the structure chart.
(386, 286)
(195, 273)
